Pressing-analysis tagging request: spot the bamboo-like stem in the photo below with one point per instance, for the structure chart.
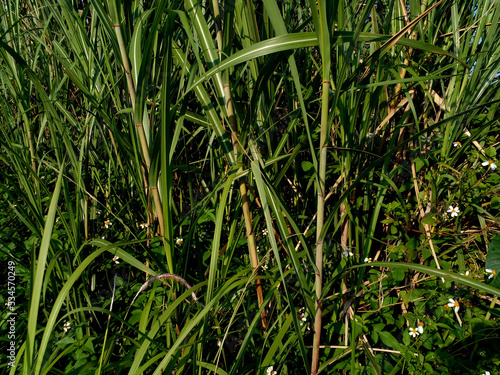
(140, 127)
(218, 26)
(243, 190)
(251, 246)
(245, 202)
(126, 63)
(321, 23)
(319, 227)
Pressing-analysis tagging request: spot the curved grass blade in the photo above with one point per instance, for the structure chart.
(39, 274)
(459, 279)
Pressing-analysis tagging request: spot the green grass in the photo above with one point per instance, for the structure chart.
(262, 151)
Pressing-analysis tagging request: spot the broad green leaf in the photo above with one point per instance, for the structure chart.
(389, 340)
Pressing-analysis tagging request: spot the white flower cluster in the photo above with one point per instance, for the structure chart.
(67, 326)
(489, 163)
(453, 304)
(453, 211)
(348, 252)
(414, 332)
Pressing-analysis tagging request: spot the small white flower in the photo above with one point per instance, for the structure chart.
(144, 225)
(302, 319)
(108, 223)
(466, 274)
(265, 267)
(420, 327)
(491, 272)
(270, 371)
(178, 241)
(457, 144)
(369, 135)
(492, 165)
(368, 260)
(264, 232)
(115, 259)
(453, 304)
(57, 219)
(414, 332)
(98, 212)
(67, 326)
(103, 237)
(486, 373)
(425, 138)
(446, 216)
(348, 252)
(219, 343)
(453, 211)
(258, 249)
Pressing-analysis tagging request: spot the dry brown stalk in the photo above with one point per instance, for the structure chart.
(163, 276)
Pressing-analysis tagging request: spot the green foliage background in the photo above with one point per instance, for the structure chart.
(296, 162)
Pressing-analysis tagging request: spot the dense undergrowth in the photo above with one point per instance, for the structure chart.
(321, 175)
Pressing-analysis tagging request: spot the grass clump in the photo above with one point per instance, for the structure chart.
(312, 185)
